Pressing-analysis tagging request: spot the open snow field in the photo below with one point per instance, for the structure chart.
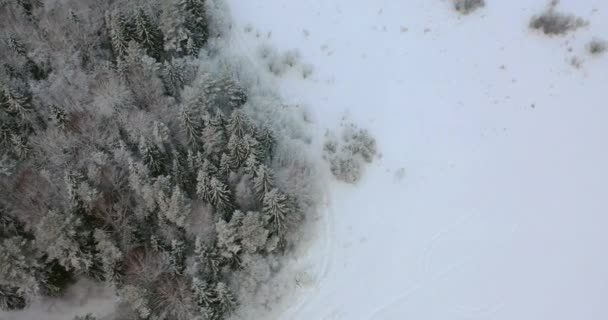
(490, 198)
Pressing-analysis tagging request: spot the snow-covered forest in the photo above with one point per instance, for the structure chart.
(137, 155)
(319, 159)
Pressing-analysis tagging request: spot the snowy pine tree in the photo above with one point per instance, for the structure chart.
(152, 156)
(228, 238)
(18, 271)
(208, 259)
(20, 146)
(263, 181)
(173, 75)
(196, 24)
(267, 140)
(219, 196)
(276, 208)
(16, 45)
(224, 300)
(191, 125)
(178, 208)
(57, 236)
(214, 136)
(137, 299)
(226, 165)
(14, 102)
(59, 117)
(148, 34)
(108, 253)
(239, 124)
(177, 256)
(252, 232)
(120, 34)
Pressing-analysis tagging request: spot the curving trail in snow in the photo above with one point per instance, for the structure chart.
(489, 199)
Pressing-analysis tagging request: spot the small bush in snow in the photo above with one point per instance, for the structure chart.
(597, 46)
(468, 6)
(556, 23)
(348, 155)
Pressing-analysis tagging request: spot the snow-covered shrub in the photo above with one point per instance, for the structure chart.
(552, 22)
(597, 46)
(468, 6)
(279, 63)
(348, 154)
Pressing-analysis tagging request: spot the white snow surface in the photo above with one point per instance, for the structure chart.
(500, 210)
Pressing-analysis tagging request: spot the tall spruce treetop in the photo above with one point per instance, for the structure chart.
(18, 266)
(263, 181)
(14, 102)
(191, 125)
(276, 207)
(16, 45)
(173, 73)
(152, 156)
(239, 124)
(179, 208)
(225, 300)
(148, 34)
(120, 33)
(219, 196)
(57, 236)
(196, 24)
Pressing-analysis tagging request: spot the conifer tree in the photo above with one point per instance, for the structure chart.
(11, 299)
(20, 146)
(14, 102)
(191, 126)
(120, 34)
(137, 299)
(267, 140)
(219, 195)
(59, 117)
(172, 74)
(148, 34)
(202, 185)
(207, 259)
(108, 253)
(228, 237)
(177, 256)
(178, 208)
(18, 272)
(252, 232)
(214, 136)
(16, 45)
(224, 95)
(196, 24)
(251, 164)
(276, 208)
(152, 157)
(173, 28)
(263, 181)
(57, 236)
(239, 124)
(225, 300)
(226, 165)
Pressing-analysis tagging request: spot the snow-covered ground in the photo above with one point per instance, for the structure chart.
(501, 209)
